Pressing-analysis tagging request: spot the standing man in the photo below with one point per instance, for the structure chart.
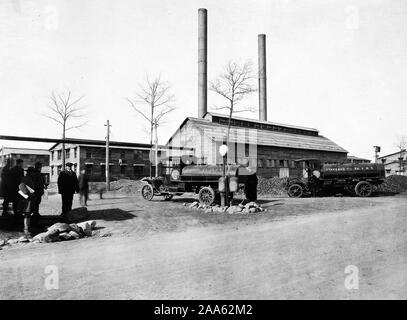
(5, 186)
(67, 186)
(83, 188)
(16, 174)
(39, 186)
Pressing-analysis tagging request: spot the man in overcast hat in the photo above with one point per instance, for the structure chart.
(67, 186)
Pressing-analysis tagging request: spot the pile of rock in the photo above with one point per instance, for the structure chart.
(57, 232)
(272, 186)
(63, 231)
(248, 208)
(393, 184)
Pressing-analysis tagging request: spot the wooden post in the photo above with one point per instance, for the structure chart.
(107, 171)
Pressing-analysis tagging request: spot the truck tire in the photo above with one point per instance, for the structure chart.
(295, 191)
(147, 192)
(363, 189)
(206, 196)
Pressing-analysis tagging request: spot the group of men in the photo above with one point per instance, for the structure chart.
(25, 191)
(11, 180)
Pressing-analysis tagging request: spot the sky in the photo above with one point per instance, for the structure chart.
(338, 66)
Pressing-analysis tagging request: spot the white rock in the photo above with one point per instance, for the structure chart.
(194, 204)
(92, 223)
(60, 226)
(65, 236)
(74, 234)
(23, 239)
(86, 228)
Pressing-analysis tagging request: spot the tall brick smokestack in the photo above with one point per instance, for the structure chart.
(202, 62)
(262, 78)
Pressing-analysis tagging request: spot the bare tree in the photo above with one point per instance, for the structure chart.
(63, 110)
(234, 84)
(402, 146)
(153, 102)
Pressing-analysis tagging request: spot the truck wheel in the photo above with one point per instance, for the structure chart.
(206, 196)
(295, 191)
(363, 189)
(147, 192)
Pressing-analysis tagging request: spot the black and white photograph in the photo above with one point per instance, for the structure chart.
(203, 150)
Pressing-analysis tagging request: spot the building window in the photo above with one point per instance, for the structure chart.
(88, 169)
(138, 155)
(146, 155)
(281, 163)
(67, 153)
(292, 163)
(259, 163)
(138, 171)
(75, 152)
(52, 171)
(59, 154)
(52, 155)
(246, 149)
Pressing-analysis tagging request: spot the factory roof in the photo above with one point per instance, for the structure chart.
(265, 137)
(275, 125)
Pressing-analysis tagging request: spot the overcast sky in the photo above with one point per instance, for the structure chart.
(338, 66)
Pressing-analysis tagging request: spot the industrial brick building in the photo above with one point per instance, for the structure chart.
(394, 163)
(270, 148)
(29, 156)
(127, 160)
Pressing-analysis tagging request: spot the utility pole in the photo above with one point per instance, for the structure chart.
(107, 125)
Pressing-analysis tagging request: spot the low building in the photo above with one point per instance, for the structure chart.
(353, 159)
(270, 148)
(395, 163)
(29, 156)
(127, 160)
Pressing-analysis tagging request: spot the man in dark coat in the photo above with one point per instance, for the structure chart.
(39, 186)
(67, 186)
(5, 186)
(83, 188)
(15, 175)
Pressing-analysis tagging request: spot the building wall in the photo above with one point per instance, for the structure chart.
(29, 159)
(270, 161)
(125, 163)
(277, 162)
(392, 163)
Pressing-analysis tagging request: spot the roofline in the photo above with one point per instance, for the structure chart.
(357, 158)
(391, 154)
(261, 121)
(203, 119)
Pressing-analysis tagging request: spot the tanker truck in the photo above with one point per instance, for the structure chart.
(355, 179)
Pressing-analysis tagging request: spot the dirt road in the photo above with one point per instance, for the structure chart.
(274, 255)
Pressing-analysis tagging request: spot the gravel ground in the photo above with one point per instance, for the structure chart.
(298, 248)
